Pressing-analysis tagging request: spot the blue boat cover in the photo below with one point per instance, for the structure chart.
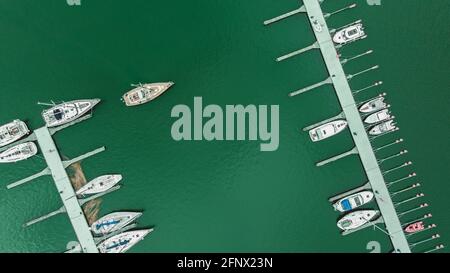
(346, 205)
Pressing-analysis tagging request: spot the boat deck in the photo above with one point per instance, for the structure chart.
(65, 190)
(356, 126)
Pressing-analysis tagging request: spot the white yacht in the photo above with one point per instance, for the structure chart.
(356, 219)
(381, 128)
(19, 152)
(349, 34)
(373, 105)
(143, 93)
(68, 111)
(327, 130)
(379, 116)
(122, 242)
(353, 201)
(12, 132)
(100, 184)
(114, 222)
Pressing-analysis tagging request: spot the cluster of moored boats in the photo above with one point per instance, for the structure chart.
(60, 114)
(109, 230)
(375, 114)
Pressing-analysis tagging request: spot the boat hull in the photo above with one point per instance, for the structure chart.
(356, 219)
(100, 184)
(327, 130)
(373, 105)
(18, 153)
(415, 227)
(68, 111)
(113, 222)
(353, 201)
(145, 93)
(123, 241)
(378, 117)
(349, 34)
(382, 128)
(12, 132)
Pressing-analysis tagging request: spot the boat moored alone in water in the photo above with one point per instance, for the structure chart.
(356, 219)
(113, 222)
(382, 128)
(124, 241)
(353, 201)
(379, 116)
(373, 105)
(144, 93)
(68, 111)
(19, 152)
(100, 184)
(349, 34)
(12, 132)
(327, 130)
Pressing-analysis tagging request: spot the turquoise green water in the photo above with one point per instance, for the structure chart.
(218, 196)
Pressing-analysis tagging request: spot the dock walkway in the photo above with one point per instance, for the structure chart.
(356, 126)
(66, 190)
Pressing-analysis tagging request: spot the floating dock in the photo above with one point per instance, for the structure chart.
(356, 126)
(66, 191)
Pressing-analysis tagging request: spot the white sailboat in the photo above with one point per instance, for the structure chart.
(19, 152)
(379, 116)
(349, 34)
(100, 184)
(68, 111)
(143, 93)
(124, 241)
(12, 132)
(382, 128)
(114, 222)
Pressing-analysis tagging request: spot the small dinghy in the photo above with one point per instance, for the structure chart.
(144, 93)
(379, 116)
(373, 105)
(327, 130)
(353, 201)
(114, 222)
(382, 128)
(356, 219)
(123, 241)
(349, 34)
(19, 152)
(415, 227)
(100, 184)
(12, 132)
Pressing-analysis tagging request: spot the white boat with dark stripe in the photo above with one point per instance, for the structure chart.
(19, 152)
(113, 222)
(124, 241)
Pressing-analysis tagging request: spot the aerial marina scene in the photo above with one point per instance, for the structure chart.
(297, 127)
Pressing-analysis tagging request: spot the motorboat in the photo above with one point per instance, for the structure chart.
(327, 130)
(100, 184)
(379, 116)
(122, 242)
(68, 111)
(415, 227)
(19, 152)
(349, 34)
(12, 132)
(143, 93)
(356, 219)
(353, 201)
(382, 128)
(113, 222)
(373, 105)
